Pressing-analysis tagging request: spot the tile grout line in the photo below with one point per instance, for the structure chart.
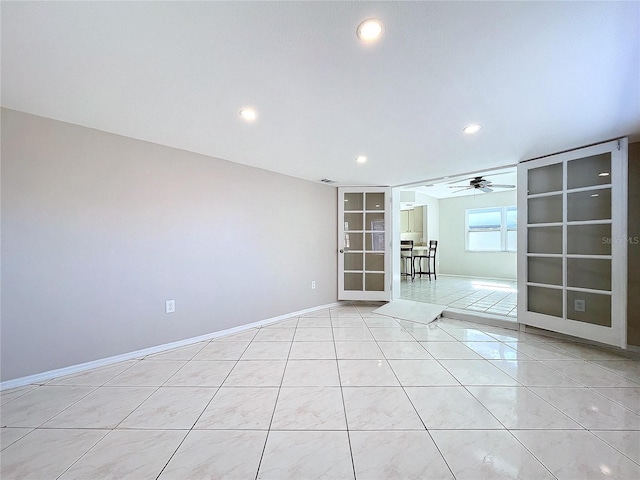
(275, 405)
(411, 402)
(206, 406)
(344, 405)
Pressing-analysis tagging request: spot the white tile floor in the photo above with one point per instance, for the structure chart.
(497, 297)
(339, 394)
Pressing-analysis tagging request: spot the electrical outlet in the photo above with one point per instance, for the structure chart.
(579, 305)
(313, 284)
(170, 306)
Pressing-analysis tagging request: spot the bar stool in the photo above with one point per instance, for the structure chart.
(406, 254)
(431, 254)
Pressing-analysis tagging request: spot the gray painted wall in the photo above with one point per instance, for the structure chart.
(98, 230)
(453, 258)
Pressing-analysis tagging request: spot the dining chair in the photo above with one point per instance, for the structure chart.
(406, 257)
(429, 257)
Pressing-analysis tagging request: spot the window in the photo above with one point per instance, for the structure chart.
(492, 229)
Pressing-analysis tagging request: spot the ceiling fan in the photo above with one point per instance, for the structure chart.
(480, 183)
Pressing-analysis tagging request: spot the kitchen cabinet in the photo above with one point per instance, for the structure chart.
(417, 220)
(404, 221)
(411, 220)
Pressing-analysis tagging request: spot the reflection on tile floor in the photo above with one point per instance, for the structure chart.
(497, 297)
(337, 394)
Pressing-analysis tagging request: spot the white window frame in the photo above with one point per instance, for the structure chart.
(503, 229)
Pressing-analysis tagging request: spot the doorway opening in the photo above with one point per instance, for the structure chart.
(473, 218)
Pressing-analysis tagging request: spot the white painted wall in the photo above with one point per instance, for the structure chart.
(453, 257)
(98, 230)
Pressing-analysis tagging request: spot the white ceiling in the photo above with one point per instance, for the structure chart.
(540, 77)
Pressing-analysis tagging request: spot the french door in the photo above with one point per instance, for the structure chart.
(572, 243)
(364, 261)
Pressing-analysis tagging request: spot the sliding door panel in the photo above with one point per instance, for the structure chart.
(571, 248)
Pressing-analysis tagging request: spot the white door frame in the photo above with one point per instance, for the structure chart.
(395, 243)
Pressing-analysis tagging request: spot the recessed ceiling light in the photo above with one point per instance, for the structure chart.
(603, 174)
(249, 114)
(361, 159)
(369, 30)
(473, 128)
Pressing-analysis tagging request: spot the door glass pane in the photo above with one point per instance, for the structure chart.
(374, 282)
(544, 300)
(353, 261)
(353, 241)
(545, 209)
(589, 239)
(597, 308)
(375, 221)
(589, 273)
(545, 179)
(544, 270)
(353, 281)
(375, 201)
(374, 262)
(353, 201)
(588, 171)
(375, 241)
(590, 205)
(353, 221)
(544, 240)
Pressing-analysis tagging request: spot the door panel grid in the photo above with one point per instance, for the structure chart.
(363, 231)
(571, 262)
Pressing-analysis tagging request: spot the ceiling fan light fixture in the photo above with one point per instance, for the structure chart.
(471, 129)
(370, 30)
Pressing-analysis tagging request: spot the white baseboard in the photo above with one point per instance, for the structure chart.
(477, 277)
(103, 362)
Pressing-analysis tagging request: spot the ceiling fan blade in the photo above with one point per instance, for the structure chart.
(463, 187)
(479, 177)
(501, 186)
(486, 189)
